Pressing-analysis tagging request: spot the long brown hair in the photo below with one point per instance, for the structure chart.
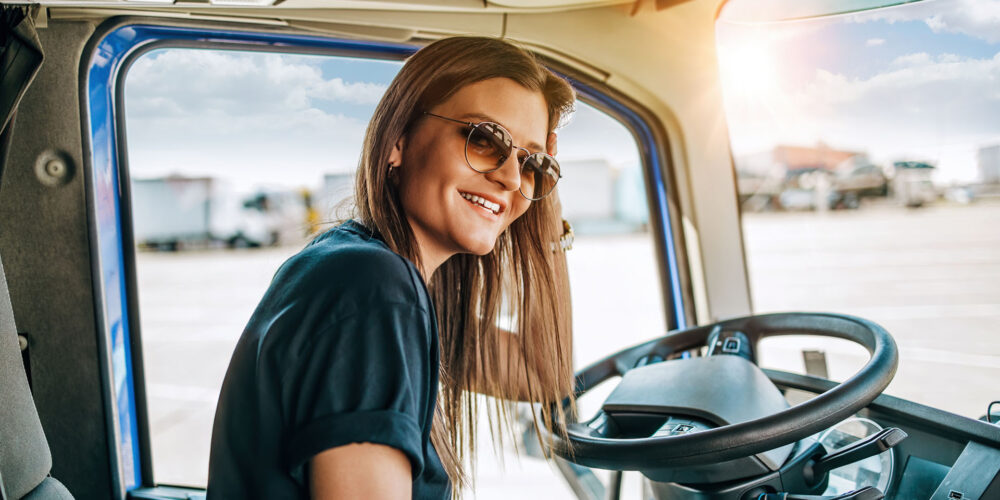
(525, 273)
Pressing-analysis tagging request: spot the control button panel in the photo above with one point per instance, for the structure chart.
(676, 426)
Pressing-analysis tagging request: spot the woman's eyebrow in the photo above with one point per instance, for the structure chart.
(531, 146)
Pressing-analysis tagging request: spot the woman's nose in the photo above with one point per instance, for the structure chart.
(509, 174)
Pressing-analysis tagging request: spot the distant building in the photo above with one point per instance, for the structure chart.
(630, 196)
(783, 159)
(597, 197)
(989, 164)
(587, 190)
(819, 157)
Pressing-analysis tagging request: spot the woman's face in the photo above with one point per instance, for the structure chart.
(435, 181)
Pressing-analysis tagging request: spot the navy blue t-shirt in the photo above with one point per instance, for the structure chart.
(343, 348)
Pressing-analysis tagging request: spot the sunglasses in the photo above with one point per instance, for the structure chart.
(487, 147)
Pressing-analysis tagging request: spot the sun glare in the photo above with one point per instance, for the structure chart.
(748, 69)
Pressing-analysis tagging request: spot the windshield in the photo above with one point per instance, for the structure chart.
(867, 154)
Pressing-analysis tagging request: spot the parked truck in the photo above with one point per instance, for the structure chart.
(912, 185)
(176, 212)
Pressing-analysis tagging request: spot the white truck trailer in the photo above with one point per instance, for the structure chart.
(175, 212)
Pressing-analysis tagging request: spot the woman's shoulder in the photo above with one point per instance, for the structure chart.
(351, 260)
(343, 291)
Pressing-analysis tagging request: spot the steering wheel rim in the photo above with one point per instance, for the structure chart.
(742, 439)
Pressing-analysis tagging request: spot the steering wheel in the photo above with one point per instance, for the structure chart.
(737, 422)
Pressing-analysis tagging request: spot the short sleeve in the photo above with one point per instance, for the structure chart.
(361, 378)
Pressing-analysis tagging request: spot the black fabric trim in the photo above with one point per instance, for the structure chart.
(20, 56)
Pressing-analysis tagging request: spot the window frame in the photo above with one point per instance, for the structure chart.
(116, 45)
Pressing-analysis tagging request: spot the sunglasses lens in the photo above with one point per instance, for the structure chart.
(539, 175)
(487, 147)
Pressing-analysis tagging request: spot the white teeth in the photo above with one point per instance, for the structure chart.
(483, 202)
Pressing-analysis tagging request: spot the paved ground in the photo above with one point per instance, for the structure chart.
(930, 276)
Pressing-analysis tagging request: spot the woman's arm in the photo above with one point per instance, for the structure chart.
(360, 471)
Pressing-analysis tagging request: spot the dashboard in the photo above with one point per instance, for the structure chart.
(944, 457)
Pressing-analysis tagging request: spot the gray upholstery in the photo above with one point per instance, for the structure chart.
(50, 489)
(25, 460)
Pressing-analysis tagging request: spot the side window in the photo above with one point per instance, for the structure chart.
(867, 153)
(617, 300)
(230, 177)
(616, 293)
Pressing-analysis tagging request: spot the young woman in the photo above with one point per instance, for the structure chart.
(355, 376)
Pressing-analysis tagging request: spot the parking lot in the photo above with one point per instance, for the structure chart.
(930, 276)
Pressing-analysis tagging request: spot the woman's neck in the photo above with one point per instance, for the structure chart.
(430, 255)
(430, 262)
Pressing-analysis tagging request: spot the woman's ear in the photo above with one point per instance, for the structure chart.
(550, 144)
(396, 155)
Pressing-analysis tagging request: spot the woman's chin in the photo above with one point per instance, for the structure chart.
(480, 247)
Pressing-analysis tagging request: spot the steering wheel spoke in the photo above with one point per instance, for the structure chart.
(593, 430)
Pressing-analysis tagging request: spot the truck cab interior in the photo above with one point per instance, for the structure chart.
(111, 358)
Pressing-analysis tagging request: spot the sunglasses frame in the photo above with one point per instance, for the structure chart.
(474, 125)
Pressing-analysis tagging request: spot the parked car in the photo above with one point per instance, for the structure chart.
(808, 189)
(851, 186)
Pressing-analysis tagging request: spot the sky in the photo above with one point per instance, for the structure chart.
(918, 81)
(261, 118)
(283, 121)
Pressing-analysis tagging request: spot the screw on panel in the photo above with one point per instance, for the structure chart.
(53, 168)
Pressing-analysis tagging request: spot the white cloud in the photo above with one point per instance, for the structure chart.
(874, 42)
(239, 83)
(339, 90)
(251, 118)
(292, 148)
(915, 59)
(977, 18)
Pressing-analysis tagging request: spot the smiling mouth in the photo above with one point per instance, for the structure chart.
(481, 202)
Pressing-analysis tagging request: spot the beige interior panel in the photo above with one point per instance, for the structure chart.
(556, 4)
(670, 54)
(383, 5)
